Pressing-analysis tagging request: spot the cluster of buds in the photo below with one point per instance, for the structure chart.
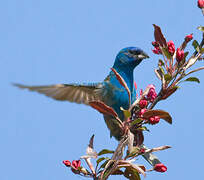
(76, 164)
(144, 102)
(170, 47)
(114, 165)
(156, 49)
(76, 167)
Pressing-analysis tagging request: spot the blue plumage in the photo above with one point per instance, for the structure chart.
(110, 91)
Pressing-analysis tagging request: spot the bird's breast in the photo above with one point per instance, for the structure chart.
(115, 96)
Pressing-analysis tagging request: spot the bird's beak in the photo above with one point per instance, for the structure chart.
(143, 56)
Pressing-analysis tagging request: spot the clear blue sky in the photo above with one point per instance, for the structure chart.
(48, 42)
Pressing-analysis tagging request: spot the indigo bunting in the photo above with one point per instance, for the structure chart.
(110, 91)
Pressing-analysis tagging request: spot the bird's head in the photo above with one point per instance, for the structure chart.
(129, 58)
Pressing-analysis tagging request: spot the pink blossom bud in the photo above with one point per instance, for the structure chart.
(189, 38)
(142, 111)
(141, 92)
(151, 86)
(143, 103)
(154, 120)
(171, 47)
(160, 167)
(66, 163)
(152, 93)
(179, 55)
(76, 164)
(201, 4)
(135, 84)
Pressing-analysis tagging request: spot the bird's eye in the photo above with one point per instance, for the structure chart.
(134, 52)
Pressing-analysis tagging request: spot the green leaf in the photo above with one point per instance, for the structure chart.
(167, 77)
(201, 28)
(104, 164)
(162, 70)
(166, 53)
(100, 159)
(193, 79)
(131, 174)
(135, 150)
(186, 54)
(161, 63)
(137, 121)
(195, 44)
(143, 128)
(202, 51)
(126, 113)
(105, 151)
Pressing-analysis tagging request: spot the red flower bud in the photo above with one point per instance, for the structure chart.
(179, 55)
(154, 120)
(156, 50)
(201, 4)
(155, 44)
(142, 150)
(171, 47)
(143, 103)
(66, 163)
(160, 168)
(189, 38)
(76, 164)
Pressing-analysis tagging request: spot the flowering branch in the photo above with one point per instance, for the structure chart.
(171, 71)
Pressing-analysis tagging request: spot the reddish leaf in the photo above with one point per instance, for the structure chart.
(138, 138)
(105, 151)
(162, 114)
(161, 148)
(122, 82)
(159, 37)
(103, 108)
(142, 167)
(135, 84)
(91, 141)
(169, 92)
(90, 149)
(158, 73)
(117, 172)
(131, 166)
(201, 68)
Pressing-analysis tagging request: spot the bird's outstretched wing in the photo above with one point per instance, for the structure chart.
(78, 93)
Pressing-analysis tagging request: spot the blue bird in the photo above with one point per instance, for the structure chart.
(110, 91)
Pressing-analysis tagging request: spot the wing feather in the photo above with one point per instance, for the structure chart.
(78, 93)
